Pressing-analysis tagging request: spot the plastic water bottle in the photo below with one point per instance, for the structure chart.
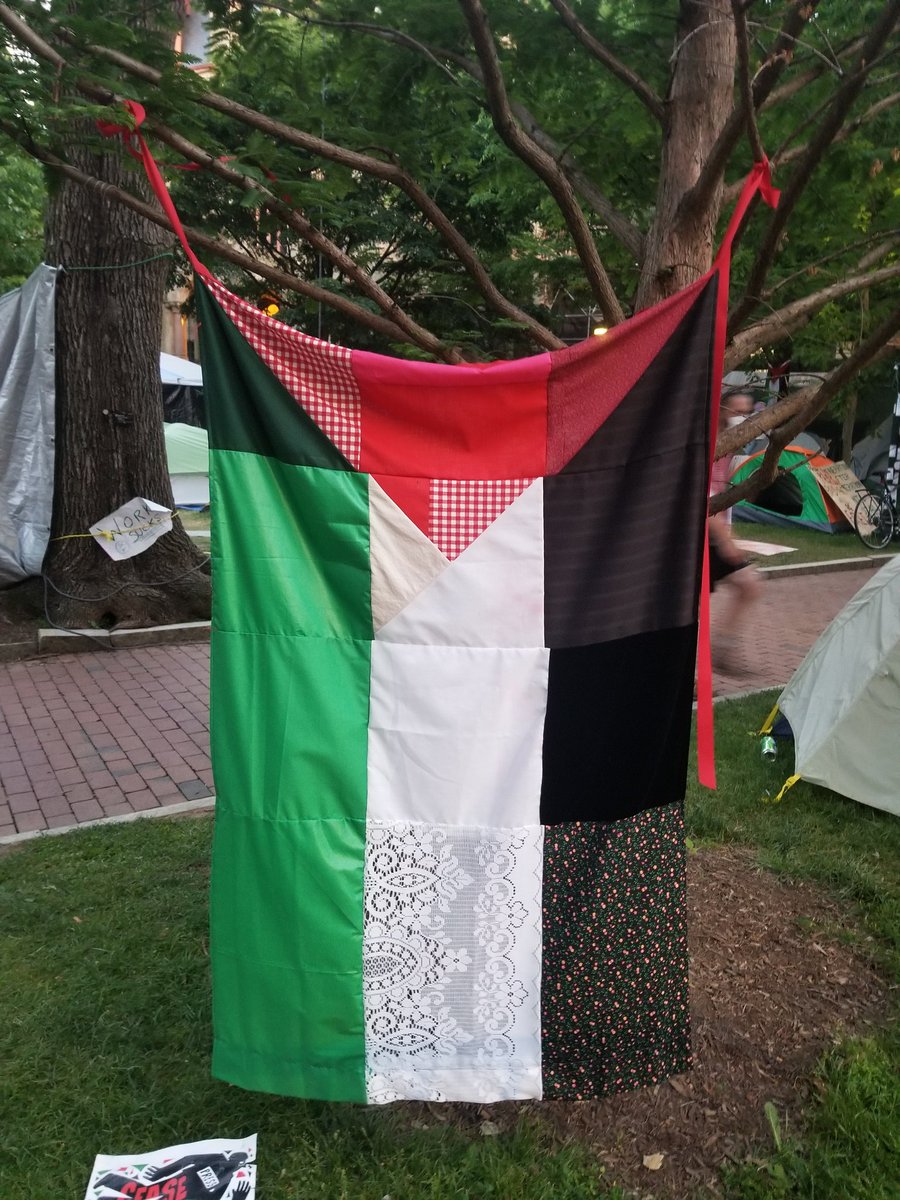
(768, 747)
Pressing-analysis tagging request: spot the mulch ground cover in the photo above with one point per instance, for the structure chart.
(772, 983)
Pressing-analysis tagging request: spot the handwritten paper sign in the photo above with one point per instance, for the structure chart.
(841, 485)
(217, 1169)
(132, 528)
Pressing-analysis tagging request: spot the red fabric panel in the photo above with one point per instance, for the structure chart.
(577, 407)
(441, 422)
(461, 509)
(412, 495)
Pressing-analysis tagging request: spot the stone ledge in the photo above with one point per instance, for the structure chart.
(16, 651)
(829, 564)
(63, 641)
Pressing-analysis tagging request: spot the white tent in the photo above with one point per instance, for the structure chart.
(187, 452)
(179, 372)
(843, 702)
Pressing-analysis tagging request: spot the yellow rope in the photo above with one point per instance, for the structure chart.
(769, 721)
(109, 534)
(788, 784)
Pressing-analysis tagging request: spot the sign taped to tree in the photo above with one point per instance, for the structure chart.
(132, 528)
(216, 1169)
(841, 485)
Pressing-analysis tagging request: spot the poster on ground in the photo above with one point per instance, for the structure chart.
(216, 1169)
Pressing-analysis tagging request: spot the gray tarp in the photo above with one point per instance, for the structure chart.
(27, 416)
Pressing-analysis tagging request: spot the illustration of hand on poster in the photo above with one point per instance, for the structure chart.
(216, 1169)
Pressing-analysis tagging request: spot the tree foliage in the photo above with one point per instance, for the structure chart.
(451, 179)
(23, 193)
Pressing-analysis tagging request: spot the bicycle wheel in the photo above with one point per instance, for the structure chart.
(873, 520)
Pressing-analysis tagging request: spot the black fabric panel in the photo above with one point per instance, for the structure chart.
(623, 522)
(617, 729)
(614, 959)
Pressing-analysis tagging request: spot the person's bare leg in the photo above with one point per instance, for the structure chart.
(742, 591)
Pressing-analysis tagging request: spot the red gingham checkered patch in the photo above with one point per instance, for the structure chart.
(461, 509)
(316, 373)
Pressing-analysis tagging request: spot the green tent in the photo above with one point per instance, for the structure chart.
(794, 498)
(187, 453)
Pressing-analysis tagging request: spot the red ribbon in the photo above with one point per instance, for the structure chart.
(758, 182)
(132, 138)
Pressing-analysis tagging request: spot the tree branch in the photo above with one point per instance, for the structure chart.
(643, 91)
(808, 402)
(414, 332)
(25, 35)
(388, 172)
(747, 102)
(799, 82)
(876, 254)
(765, 473)
(733, 190)
(781, 159)
(539, 161)
(844, 97)
(223, 250)
(767, 76)
(620, 227)
(794, 316)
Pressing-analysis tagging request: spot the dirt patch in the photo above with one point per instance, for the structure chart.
(21, 611)
(771, 985)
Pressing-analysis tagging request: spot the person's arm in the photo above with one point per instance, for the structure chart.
(720, 535)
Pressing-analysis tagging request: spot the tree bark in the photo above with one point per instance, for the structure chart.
(110, 445)
(851, 402)
(679, 246)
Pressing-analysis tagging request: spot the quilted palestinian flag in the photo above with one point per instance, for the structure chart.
(455, 623)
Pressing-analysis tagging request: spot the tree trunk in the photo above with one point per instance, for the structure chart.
(851, 402)
(110, 446)
(679, 245)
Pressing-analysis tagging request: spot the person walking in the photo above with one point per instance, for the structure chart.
(726, 561)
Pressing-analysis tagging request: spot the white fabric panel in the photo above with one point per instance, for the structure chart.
(843, 702)
(492, 594)
(456, 733)
(403, 560)
(452, 962)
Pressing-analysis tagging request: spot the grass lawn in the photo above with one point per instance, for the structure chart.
(809, 544)
(851, 1147)
(197, 525)
(104, 1037)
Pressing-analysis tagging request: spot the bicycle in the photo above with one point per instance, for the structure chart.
(875, 519)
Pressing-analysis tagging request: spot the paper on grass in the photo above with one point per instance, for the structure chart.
(764, 548)
(132, 528)
(215, 1169)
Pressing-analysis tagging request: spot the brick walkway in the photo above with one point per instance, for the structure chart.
(92, 735)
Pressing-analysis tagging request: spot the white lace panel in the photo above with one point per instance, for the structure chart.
(452, 962)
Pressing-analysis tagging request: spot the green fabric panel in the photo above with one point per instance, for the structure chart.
(248, 407)
(289, 726)
(290, 548)
(286, 941)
